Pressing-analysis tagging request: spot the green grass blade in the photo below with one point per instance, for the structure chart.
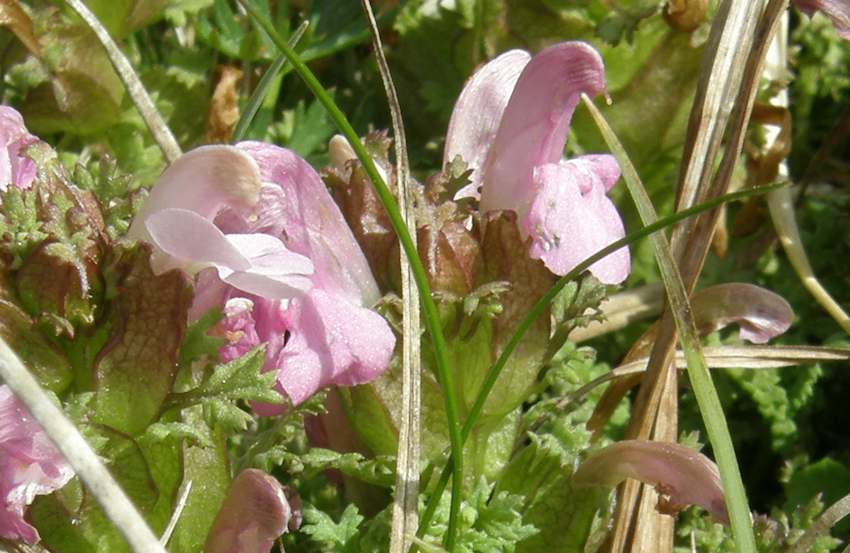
(539, 308)
(259, 94)
(698, 373)
(429, 308)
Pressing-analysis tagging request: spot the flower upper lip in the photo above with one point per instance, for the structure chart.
(179, 219)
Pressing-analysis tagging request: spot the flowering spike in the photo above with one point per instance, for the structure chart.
(561, 205)
(267, 243)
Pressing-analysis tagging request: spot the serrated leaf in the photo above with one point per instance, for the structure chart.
(160, 431)
(332, 536)
(379, 471)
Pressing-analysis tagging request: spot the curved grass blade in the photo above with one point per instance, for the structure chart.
(539, 308)
(429, 308)
(259, 94)
(698, 372)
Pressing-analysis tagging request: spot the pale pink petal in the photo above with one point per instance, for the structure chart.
(205, 180)
(15, 168)
(188, 236)
(571, 218)
(681, 475)
(30, 465)
(312, 224)
(478, 112)
(332, 342)
(269, 256)
(534, 127)
(837, 10)
(254, 263)
(252, 517)
(760, 314)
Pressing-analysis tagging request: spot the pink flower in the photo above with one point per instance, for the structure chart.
(15, 168)
(269, 245)
(838, 12)
(254, 514)
(510, 125)
(30, 465)
(179, 219)
(681, 475)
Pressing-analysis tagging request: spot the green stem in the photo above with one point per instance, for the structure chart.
(429, 308)
(542, 304)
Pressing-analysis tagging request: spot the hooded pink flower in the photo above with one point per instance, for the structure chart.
(270, 246)
(30, 465)
(510, 126)
(838, 12)
(15, 168)
(254, 515)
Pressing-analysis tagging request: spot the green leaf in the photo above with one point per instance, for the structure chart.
(826, 479)
(307, 129)
(44, 360)
(161, 431)
(490, 521)
(540, 474)
(135, 370)
(332, 536)
(379, 471)
(207, 468)
(229, 384)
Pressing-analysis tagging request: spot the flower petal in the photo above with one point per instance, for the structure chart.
(205, 180)
(685, 476)
(252, 517)
(534, 127)
(188, 236)
(312, 223)
(478, 112)
(837, 10)
(760, 313)
(568, 225)
(332, 342)
(15, 169)
(30, 465)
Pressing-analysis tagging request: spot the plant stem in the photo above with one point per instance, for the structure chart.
(429, 308)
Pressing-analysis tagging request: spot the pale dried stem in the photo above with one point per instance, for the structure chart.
(729, 78)
(184, 491)
(781, 205)
(781, 202)
(79, 454)
(154, 121)
(822, 525)
(406, 502)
